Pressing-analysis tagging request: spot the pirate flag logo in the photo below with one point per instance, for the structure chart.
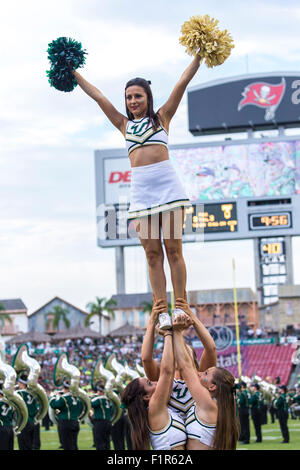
(264, 95)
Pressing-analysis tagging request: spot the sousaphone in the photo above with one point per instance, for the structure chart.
(9, 376)
(64, 370)
(22, 362)
(101, 374)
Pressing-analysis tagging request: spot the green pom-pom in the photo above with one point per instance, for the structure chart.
(61, 80)
(65, 55)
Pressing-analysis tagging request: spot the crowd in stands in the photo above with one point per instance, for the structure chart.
(84, 353)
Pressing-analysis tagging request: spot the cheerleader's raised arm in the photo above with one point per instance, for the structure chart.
(116, 118)
(167, 111)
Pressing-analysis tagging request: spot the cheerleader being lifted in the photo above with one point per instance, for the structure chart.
(157, 197)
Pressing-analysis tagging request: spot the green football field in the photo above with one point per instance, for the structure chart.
(271, 438)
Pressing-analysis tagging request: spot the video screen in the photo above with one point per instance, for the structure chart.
(233, 171)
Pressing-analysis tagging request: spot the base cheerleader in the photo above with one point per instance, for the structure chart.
(181, 399)
(212, 421)
(152, 422)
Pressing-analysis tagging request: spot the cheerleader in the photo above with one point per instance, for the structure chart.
(181, 399)
(211, 422)
(157, 197)
(153, 423)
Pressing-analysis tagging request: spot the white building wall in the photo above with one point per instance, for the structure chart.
(123, 316)
(20, 322)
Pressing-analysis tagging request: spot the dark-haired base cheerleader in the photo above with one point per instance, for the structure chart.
(157, 196)
(211, 422)
(152, 420)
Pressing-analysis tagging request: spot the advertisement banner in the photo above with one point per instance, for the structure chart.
(117, 177)
(228, 359)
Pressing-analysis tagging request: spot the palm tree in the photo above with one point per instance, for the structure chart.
(59, 314)
(101, 306)
(147, 307)
(4, 316)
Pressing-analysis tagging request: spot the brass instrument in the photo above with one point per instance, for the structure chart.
(22, 362)
(101, 374)
(268, 390)
(133, 374)
(53, 413)
(62, 370)
(122, 375)
(108, 364)
(9, 376)
(55, 394)
(246, 379)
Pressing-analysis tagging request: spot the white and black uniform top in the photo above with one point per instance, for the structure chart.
(140, 132)
(172, 435)
(196, 429)
(155, 188)
(181, 399)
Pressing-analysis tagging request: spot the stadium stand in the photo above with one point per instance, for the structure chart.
(267, 361)
(270, 361)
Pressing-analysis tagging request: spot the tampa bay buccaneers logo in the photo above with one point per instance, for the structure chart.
(264, 95)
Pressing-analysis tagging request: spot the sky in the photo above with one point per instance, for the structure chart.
(48, 242)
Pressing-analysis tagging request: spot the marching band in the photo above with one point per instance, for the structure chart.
(24, 403)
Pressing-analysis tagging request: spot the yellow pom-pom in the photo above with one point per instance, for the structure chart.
(201, 36)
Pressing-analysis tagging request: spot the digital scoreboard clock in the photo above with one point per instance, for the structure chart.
(270, 220)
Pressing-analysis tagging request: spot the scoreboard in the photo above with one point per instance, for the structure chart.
(205, 222)
(237, 191)
(211, 218)
(233, 188)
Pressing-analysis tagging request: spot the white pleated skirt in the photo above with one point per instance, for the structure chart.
(154, 189)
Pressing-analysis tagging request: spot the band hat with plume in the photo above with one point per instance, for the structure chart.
(201, 36)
